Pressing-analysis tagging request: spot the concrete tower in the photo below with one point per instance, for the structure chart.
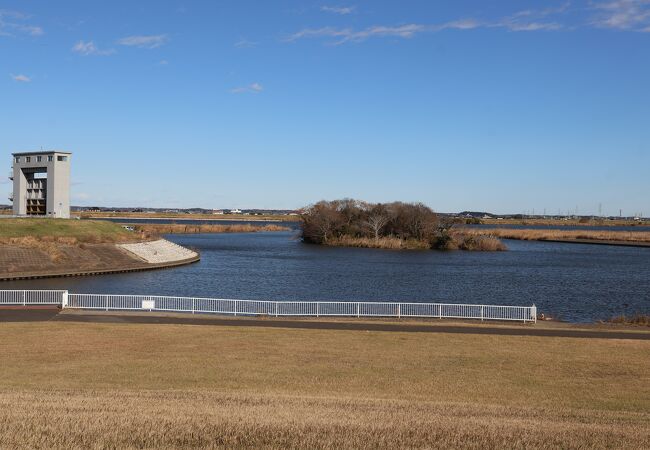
(41, 184)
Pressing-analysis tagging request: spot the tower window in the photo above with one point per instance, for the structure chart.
(39, 158)
(17, 159)
(50, 158)
(61, 158)
(28, 159)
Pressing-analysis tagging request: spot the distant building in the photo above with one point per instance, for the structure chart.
(41, 184)
(235, 211)
(218, 212)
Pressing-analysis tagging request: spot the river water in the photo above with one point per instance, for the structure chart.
(573, 282)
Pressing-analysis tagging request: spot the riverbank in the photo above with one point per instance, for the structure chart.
(43, 248)
(158, 229)
(628, 238)
(311, 388)
(181, 217)
(596, 222)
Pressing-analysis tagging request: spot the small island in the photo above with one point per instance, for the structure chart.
(397, 225)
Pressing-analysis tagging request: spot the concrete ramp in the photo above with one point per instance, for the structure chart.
(160, 251)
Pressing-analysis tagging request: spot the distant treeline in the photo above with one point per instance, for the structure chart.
(356, 223)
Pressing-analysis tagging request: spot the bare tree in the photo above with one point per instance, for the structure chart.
(377, 220)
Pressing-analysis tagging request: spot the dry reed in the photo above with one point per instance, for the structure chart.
(540, 235)
(207, 228)
(635, 319)
(388, 242)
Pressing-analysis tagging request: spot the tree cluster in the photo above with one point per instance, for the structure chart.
(326, 220)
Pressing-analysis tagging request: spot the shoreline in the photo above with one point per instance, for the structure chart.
(83, 273)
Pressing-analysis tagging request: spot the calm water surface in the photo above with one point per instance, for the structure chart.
(579, 283)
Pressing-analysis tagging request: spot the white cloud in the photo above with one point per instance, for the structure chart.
(528, 20)
(21, 78)
(632, 15)
(342, 10)
(253, 88)
(89, 48)
(14, 22)
(343, 35)
(152, 41)
(245, 43)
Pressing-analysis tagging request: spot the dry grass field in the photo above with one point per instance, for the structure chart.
(99, 385)
(541, 235)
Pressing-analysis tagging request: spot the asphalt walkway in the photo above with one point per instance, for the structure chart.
(39, 314)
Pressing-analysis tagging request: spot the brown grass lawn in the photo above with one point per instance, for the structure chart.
(179, 386)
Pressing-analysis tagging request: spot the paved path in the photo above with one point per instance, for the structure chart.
(35, 315)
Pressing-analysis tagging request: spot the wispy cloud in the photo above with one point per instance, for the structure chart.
(150, 41)
(632, 15)
(89, 48)
(343, 35)
(15, 22)
(253, 88)
(529, 20)
(21, 78)
(245, 43)
(342, 10)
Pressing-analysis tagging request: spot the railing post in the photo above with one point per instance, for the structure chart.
(24, 298)
(64, 300)
(106, 302)
(533, 312)
(358, 310)
(399, 311)
(276, 309)
(481, 313)
(193, 305)
(317, 309)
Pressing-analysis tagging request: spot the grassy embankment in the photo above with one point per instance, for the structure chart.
(187, 229)
(172, 386)
(569, 222)
(183, 216)
(541, 235)
(67, 231)
(40, 245)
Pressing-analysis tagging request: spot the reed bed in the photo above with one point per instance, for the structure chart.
(207, 228)
(387, 242)
(541, 235)
(635, 319)
(457, 241)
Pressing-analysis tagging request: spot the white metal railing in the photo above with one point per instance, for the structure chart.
(289, 308)
(268, 308)
(32, 297)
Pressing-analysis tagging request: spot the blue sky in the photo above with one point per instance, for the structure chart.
(501, 106)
